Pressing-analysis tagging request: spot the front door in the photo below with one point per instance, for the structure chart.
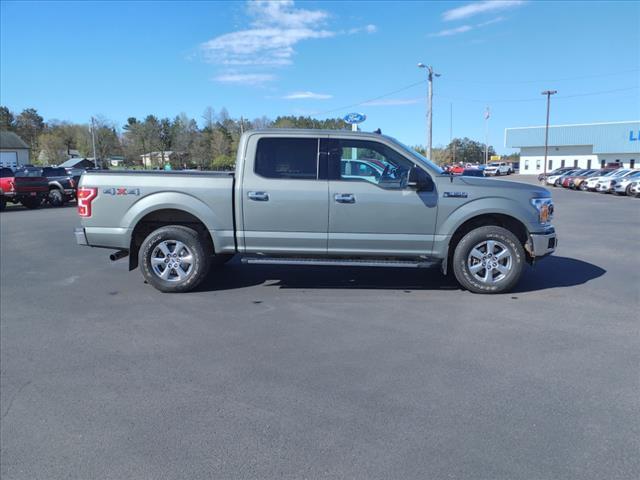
(372, 211)
(284, 203)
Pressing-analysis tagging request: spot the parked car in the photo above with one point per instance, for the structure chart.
(7, 186)
(557, 171)
(62, 187)
(622, 186)
(579, 180)
(591, 183)
(456, 169)
(288, 204)
(604, 185)
(498, 168)
(556, 180)
(567, 179)
(31, 188)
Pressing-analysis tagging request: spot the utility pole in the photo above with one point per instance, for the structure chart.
(93, 142)
(487, 114)
(548, 93)
(430, 74)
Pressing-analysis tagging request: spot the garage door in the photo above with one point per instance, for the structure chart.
(9, 159)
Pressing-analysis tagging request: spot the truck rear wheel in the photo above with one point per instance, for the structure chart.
(56, 198)
(173, 259)
(488, 260)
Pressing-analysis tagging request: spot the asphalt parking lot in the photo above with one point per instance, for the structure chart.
(282, 372)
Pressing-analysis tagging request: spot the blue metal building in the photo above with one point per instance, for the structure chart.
(589, 145)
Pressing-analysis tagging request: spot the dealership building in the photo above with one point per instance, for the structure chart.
(589, 145)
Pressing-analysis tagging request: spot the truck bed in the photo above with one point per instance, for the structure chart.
(125, 198)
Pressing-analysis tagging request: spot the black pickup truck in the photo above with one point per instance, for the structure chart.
(61, 184)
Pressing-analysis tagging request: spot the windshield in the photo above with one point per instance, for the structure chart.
(415, 155)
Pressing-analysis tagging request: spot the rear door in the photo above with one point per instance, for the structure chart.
(284, 200)
(372, 211)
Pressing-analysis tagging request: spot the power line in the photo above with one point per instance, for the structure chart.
(521, 100)
(371, 99)
(522, 82)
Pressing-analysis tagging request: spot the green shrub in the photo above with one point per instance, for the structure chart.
(223, 162)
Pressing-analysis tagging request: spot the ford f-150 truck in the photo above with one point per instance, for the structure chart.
(296, 198)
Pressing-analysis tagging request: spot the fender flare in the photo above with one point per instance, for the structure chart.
(175, 201)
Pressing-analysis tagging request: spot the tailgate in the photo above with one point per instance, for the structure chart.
(31, 184)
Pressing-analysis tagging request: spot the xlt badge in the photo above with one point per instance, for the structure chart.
(455, 194)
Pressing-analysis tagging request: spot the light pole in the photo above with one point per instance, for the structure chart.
(93, 142)
(548, 93)
(487, 114)
(429, 105)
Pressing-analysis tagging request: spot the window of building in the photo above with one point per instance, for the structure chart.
(561, 163)
(526, 164)
(632, 163)
(294, 158)
(537, 164)
(575, 163)
(589, 164)
(602, 163)
(550, 167)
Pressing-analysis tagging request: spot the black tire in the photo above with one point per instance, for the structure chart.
(583, 187)
(628, 191)
(31, 203)
(502, 237)
(55, 198)
(197, 270)
(215, 260)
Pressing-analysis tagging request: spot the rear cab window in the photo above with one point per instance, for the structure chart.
(6, 172)
(287, 158)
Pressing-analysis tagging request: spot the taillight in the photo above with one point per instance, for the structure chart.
(85, 196)
(12, 186)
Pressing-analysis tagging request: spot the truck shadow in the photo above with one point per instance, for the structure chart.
(552, 272)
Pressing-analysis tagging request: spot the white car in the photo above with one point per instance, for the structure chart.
(605, 185)
(592, 182)
(623, 185)
(498, 168)
(554, 179)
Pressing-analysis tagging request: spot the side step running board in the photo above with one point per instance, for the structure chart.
(339, 262)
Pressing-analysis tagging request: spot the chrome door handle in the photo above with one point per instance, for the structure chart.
(344, 198)
(258, 196)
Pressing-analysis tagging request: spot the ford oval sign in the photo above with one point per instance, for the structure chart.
(354, 118)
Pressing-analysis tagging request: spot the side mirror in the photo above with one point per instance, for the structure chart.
(419, 179)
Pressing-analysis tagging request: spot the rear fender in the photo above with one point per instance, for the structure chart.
(176, 201)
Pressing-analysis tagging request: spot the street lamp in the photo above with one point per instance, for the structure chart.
(429, 105)
(548, 93)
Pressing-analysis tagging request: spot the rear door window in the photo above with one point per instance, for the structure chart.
(292, 158)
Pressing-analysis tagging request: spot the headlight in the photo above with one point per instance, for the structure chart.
(544, 207)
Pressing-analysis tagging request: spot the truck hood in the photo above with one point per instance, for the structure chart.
(502, 184)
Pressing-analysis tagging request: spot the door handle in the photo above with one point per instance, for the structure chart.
(344, 198)
(258, 196)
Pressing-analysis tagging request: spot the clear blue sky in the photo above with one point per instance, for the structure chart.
(71, 60)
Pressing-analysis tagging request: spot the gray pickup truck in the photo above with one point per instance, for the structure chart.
(316, 197)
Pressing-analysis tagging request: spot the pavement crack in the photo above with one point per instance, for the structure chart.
(15, 395)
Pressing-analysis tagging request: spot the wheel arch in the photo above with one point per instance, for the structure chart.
(160, 218)
(499, 219)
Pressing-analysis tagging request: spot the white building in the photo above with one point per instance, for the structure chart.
(13, 151)
(589, 145)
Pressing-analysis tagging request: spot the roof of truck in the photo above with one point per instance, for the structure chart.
(312, 131)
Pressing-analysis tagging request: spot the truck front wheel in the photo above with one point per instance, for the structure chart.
(173, 259)
(488, 260)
